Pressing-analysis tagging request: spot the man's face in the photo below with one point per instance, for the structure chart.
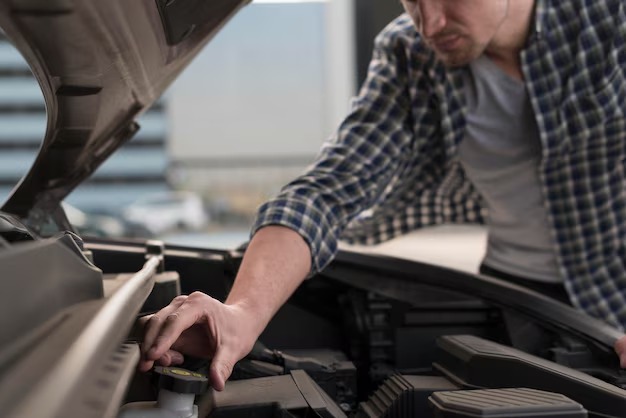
(459, 31)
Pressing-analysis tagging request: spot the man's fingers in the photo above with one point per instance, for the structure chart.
(150, 331)
(171, 358)
(153, 325)
(176, 358)
(187, 314)
(145, 365)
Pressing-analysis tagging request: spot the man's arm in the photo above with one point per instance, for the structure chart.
(372, 144)
(276, 262)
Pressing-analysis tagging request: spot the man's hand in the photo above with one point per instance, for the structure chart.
(620, 349)
(200, 326)
(275, 263)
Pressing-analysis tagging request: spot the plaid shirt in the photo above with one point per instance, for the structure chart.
(393, 167)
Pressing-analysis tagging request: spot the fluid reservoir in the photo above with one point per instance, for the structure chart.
(177, 390)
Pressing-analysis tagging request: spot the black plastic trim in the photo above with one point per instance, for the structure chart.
(403, 278)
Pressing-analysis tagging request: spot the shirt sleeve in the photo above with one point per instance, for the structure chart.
(356, 164)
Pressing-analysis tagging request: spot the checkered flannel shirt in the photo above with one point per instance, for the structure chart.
(392, 166)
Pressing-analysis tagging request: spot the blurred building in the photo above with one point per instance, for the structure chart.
(252, 110)
(371, 16)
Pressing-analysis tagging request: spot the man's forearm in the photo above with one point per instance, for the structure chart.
(275, 263)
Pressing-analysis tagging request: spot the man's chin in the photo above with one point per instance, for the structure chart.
(459, 57)
(455, 60)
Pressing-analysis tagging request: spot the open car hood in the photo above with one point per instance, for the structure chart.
(100, 64)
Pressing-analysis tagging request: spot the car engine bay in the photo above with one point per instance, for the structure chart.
(348, 343)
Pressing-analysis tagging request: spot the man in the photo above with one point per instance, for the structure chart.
(514, 106)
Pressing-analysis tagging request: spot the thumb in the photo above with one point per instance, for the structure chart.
(221, 369)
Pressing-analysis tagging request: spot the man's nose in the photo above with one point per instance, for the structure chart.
(433, 18)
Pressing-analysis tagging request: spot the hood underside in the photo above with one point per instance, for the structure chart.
(100, 64)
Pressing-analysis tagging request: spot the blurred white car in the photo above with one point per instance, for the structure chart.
(102, 225)
(167, 211)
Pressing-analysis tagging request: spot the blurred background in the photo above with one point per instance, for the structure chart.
(248, 115)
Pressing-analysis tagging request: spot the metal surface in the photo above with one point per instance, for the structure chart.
(60, 387)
